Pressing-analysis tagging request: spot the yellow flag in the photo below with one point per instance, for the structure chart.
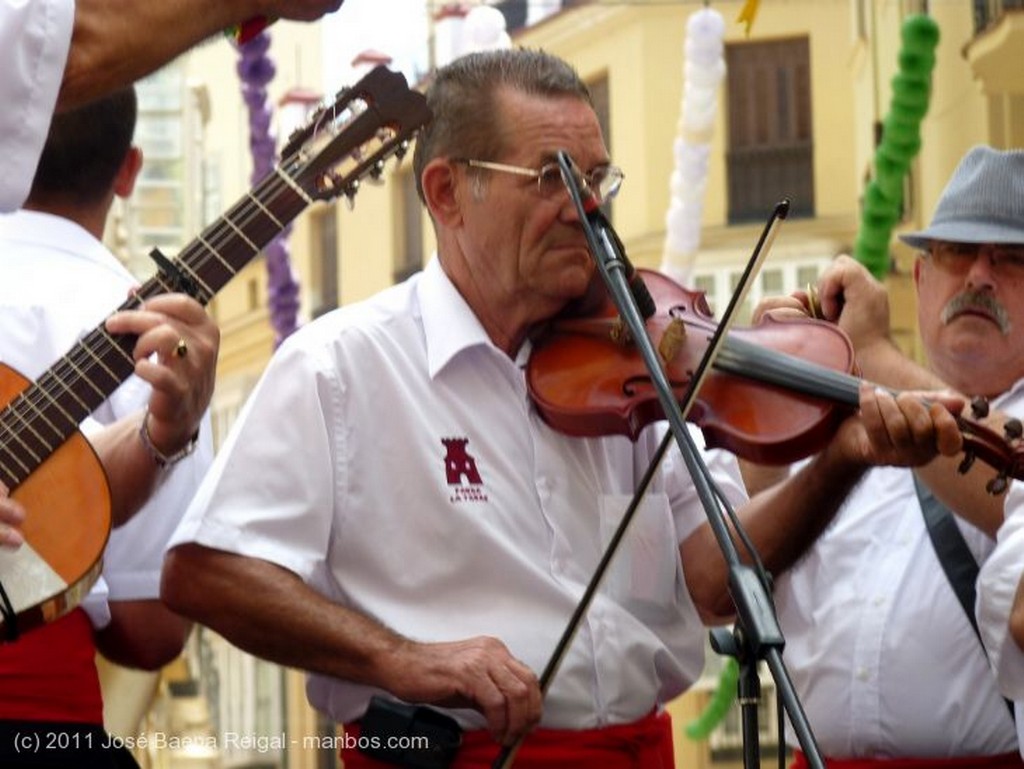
(747, 14)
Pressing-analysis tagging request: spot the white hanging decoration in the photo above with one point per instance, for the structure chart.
(485, 30)
(703, 71)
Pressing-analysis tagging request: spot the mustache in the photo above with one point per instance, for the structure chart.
(981, 301)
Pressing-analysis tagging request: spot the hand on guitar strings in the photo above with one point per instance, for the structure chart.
(176, 353)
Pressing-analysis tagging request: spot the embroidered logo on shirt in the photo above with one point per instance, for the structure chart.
(460, 469)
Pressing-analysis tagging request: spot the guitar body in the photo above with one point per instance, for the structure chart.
(67, 522)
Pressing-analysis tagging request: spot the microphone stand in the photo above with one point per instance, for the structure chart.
(756, 634)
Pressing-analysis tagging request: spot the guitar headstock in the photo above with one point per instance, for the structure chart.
(350, 139)
(1004, 453)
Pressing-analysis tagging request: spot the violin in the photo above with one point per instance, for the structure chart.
(777, 392)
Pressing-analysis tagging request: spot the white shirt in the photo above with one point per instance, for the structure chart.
(997, 586)
(35, 36)
(882, 655)
(390, 456)
(59, 284)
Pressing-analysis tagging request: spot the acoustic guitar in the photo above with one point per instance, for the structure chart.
(45, 461)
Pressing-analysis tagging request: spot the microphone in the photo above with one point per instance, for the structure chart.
(603, 229)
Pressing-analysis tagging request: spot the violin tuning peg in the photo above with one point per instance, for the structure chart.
(979, 407)
(1013, 429)
(997, 485)
(966, 462)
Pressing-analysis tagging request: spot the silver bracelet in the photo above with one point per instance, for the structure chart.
(163, 461)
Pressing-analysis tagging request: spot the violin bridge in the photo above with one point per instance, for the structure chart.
(620, 334)
(672, 340)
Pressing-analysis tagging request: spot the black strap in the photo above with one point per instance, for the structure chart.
(955, 556)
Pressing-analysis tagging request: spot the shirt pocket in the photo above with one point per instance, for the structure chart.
(644, 573)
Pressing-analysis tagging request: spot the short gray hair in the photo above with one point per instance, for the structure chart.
(462, 99)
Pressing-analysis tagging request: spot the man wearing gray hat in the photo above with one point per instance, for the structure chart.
(878, 639)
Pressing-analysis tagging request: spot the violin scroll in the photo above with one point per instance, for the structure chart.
(1003, 453)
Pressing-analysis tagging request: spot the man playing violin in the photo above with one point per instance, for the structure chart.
(391, 514)
(882, 653)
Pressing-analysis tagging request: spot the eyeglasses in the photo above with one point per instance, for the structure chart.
(1007, 260)
(603, 181)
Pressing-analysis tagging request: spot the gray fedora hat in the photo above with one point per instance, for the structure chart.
(982, 203)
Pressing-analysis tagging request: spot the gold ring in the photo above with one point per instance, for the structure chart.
(814, 303)
(181, 349)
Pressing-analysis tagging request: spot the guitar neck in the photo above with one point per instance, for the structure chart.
(44, 415)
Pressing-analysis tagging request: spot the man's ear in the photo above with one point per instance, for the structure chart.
(444, 191)
(124, 182)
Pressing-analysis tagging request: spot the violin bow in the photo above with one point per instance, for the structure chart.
(572, 178)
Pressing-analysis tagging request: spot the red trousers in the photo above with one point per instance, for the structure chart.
(1000, 761)
(49, 674)
(645, 744)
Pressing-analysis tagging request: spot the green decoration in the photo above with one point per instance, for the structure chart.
(901, 141)
(719, 704)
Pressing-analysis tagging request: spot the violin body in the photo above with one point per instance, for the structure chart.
(585, 380)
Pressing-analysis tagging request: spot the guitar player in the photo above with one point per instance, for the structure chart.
(152, 434)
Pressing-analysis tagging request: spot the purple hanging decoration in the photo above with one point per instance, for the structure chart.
(255, 70)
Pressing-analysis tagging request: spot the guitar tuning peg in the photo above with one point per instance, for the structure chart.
(350, 195)
(400, 150)
(966, 462)
(377, 172)
(1013, 429)
(979, 407)
(997, 485)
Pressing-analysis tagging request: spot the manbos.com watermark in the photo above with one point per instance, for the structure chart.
(266, 743)
(56, 741)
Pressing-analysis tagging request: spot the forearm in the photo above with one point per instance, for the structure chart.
(883, 363)
(131, 472)
(270, 613)
(964, 493)
(115, 42)
(782, 522)
(142, 634)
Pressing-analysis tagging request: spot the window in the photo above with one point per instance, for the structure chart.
(778, 279)
(771, 148)
(514, 12)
